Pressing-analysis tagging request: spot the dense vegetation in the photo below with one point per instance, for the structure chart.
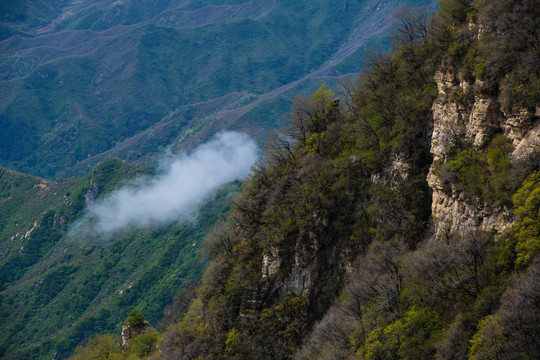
(329, 251)
(339, 213)
(58, 290)
(80, 78)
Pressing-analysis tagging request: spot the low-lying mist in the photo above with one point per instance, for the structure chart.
(181, 185)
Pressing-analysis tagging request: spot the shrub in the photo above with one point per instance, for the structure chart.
(527, 225)
(144, 344)
(487, 174)
(99, 347)
(135, 318)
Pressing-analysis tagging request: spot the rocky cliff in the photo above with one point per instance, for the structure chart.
(130, 331)
(462, 116)
(333, 254)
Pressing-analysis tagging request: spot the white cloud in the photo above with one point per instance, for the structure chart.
(182, 184)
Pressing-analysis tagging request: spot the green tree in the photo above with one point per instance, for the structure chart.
(487, 343)
(527, 225)
(405, 338)
(100, 347)
(144, 344)
(135, 318)
(311, 115)
(233, 344)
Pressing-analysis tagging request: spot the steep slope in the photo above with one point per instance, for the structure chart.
(331, 252)
(58, 289)
(115, 76)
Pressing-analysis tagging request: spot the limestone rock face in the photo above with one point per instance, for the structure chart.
(271, 263)
(523, 129)
(92, 193)
(129, 331)
(459, 118)
(286, 273)
(126, 334)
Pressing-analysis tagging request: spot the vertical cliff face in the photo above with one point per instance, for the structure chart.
(293, 288)
(462, 117)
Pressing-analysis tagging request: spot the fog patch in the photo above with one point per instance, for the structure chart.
(181, 185)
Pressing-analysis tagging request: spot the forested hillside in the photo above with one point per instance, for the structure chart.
(84, 83)
(398, 221)
(59, 287)
(83, 80)
(395, 217)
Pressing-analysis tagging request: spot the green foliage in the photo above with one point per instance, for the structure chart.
(527, 225)
(233, 344)
(406, 338)
(311, 116)
(106, 347)
(54, 282)
(456, 11)
(509, 332)
(135, 318)
(101, 347)
(33, 250)
(487, 342)
(507, 60)
(59, 290)
(485, 174)
(469, 169)
(144, 344)
(320, 104)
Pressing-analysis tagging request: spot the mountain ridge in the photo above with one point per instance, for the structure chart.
(108, 62)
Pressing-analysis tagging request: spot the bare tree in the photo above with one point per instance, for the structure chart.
(280, 149)
(218, 241)
(447, 268)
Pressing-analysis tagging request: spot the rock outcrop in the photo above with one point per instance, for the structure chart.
(129, 331)
(305, 270)
(462, 117)
(92, 193)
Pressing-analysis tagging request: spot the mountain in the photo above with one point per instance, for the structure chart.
(400, 222)
(81, 80)
(84, 84)
(59, 287)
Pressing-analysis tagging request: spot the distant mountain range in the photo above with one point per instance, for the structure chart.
(84, 80)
